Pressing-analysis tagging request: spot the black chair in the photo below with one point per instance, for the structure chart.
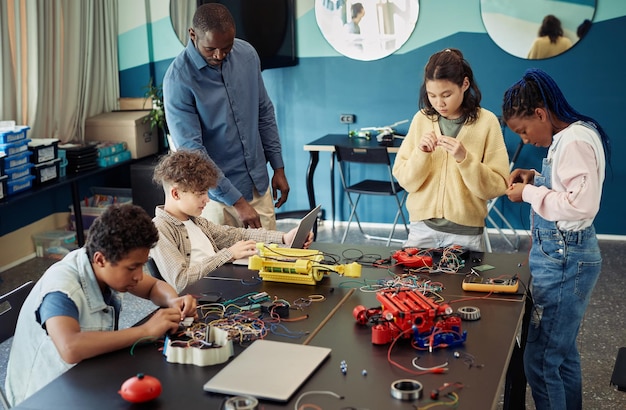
(383, 187)
(10, 305)
(153, 270)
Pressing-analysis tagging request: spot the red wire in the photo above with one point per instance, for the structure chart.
(437, 370)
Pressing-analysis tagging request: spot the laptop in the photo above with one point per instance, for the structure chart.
(268, 370)
(304, 227)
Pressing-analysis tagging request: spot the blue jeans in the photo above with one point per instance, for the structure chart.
(565, 267)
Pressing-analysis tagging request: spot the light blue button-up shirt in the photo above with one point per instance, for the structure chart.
(225, 110)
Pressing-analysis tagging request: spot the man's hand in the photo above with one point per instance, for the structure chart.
(247, 214)
(279, 183)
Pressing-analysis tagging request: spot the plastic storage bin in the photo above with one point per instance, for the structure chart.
(47, 171)
(19, 171)
(43, 149)
(108, 160)
(3, 186)
(13, 133)
(13, 148)
(13, 161)
(54, 244)
(20, 185)
(94, 206)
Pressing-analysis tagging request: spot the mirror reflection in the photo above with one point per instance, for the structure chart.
(537, 29)
(366, 29)
(181, 14)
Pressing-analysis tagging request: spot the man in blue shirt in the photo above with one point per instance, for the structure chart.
(215, 100)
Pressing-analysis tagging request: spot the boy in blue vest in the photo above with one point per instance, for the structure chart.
(72, 312)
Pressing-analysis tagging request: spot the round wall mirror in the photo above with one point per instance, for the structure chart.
(530, 28)
(181, 14)
(366, 29)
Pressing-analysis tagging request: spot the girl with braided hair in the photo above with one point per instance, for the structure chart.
(564, 259)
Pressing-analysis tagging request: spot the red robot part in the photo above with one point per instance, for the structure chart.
(410, 258)
(401, 310)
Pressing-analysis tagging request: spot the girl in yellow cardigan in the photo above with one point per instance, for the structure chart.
(453, 159)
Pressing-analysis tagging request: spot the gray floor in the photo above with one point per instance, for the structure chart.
(602, 332)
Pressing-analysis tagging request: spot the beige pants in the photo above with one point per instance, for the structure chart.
(221, 214)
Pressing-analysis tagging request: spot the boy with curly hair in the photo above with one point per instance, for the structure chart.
(189, 245)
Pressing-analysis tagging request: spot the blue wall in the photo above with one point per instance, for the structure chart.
(310, 96)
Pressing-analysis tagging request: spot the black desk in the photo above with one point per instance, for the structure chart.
(94, 383)
(72, 180)
(327, 144)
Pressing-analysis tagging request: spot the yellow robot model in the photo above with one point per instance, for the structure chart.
(303, 266)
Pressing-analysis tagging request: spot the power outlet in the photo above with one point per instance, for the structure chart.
(347, 118)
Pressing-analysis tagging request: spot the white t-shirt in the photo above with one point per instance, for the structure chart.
(201, 246)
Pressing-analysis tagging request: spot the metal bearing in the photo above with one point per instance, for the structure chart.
(241, 403)
(406, 389)
(469, 313)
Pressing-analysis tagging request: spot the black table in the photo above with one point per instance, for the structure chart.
(94, 383)
(327, 144)
(72, 180)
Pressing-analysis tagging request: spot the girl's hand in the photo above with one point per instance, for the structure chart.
(243, 249)
(514, 191)
(452, 146)
(428, 143)
(525, 176)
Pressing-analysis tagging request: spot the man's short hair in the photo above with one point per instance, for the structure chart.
(213, 17)
(119, 230)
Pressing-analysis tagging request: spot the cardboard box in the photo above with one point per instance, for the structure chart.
(124, 126)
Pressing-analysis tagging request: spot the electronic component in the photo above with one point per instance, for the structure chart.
(303, 266)
(495, 285)
(406, 389)
(259, 297)
(432, 323)
(212, 347)
(469, 313)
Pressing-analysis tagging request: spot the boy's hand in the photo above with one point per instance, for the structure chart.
(289, 236)
(186, 306)
(243, 249)
(163, 321)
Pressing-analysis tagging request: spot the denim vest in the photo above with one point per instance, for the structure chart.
(34, 360)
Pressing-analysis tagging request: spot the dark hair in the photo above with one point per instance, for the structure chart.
(551, 27)
(192, 171)
(450, 65)
(119, 230)
(213, 17)
(537, 89)
(583, 28)
(355, 9)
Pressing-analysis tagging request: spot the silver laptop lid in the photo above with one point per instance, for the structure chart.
(268, 370)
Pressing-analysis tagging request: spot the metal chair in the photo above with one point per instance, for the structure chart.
(10, 305)
(387, 187)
